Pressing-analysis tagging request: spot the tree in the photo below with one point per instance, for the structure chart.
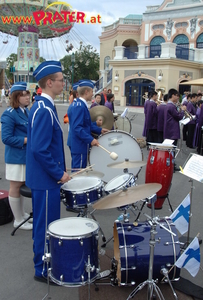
(9, 63)
(86, 64)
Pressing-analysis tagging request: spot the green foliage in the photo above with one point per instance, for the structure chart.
(86, 64)
(10, 62)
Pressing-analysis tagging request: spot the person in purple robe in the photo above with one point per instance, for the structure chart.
(191, 108)
(151, 119)
(185, 127)
(109, 102)
(144, 133)
(197, 129)
(200, 124)
(96, 101)
(160, 119)
(172, 117)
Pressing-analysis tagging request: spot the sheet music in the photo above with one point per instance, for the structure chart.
(194, 167)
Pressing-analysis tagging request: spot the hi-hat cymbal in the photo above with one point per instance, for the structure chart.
(103, 112)
(91, 173)
(128, 196)
(127, 164)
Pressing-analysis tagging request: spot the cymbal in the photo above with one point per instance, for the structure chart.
(127, 164)
(128, 196)
(103, 112)
(91, 173)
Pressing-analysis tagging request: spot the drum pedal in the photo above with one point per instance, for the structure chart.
(104, 274)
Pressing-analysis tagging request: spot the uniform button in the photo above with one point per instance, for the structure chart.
(59, 162)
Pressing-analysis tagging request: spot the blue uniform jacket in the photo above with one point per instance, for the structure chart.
(81, 128)
(69, 117)
(45, 162)
(13, 131)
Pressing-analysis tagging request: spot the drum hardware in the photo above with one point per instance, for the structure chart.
(164, 272)
(127, 196)
(113, 155)
(170, 243)
(150, 282)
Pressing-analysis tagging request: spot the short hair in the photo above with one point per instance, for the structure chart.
(166, 97)
(97, 95)
(81, 90)
(42, 82)
(15, 96)
(109, 96)
(199, 95)
(189, 96)
(199, 102)
(153, 93)
(193, 95)
(172, 92)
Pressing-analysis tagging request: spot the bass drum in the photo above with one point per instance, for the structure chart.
(123, 124)
(131, 252)
(120, 142)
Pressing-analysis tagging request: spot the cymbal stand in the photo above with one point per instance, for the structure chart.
(124, 218)
(47, 258)
(150, 282)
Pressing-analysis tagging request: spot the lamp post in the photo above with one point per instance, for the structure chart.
(72, 61)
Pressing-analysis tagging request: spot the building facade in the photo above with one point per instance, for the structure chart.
(157, 50)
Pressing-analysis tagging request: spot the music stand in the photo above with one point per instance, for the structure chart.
(192, 168)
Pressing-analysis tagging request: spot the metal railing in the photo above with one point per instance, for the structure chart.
(99, 84)
(109, 75)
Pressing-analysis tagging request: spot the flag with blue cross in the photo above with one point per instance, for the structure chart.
(180, 216)
(190, 258)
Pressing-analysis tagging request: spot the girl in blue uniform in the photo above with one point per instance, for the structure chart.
(14, 135)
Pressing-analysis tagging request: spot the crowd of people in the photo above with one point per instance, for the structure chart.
(34, 149)
(163, 116)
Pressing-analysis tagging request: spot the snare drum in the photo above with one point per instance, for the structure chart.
(125, 146)
(132, 250)
(81, 191)
(123, 124)
(159, 169)
(73, 242)
(126, 180)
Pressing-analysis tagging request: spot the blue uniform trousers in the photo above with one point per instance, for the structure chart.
(46, 209)
(78, 161)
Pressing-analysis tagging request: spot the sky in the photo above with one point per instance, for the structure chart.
(109, 10)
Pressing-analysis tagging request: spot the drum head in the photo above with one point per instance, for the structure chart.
(123, 124)
(120, 142)
(116, 182)
(72, 227)
(81, 184)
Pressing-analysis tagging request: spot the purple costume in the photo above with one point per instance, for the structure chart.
(160, 121)
(144, 133)
(191, 125)
(109, 105)
(171, 121)
(151, 122)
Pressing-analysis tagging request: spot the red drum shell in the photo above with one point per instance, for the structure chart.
(160, 171)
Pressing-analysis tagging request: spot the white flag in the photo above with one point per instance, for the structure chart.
(180, 216)
(190, 258)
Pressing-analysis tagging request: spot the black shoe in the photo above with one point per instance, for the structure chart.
(44, 280)
(176, 169)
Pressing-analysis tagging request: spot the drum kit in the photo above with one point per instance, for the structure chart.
(73, 256)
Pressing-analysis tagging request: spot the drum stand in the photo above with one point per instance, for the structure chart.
(84, 213)
(151, 283)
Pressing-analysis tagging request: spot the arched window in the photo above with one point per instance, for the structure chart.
(182, 48)
(158, 26)
(106, 62)
(181, 39)
(181, 24)
(155, 46)
(200, 41)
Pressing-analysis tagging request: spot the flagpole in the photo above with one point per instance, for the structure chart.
(174, 264)
(190, 216)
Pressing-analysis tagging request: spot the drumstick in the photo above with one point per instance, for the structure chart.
(81, 171)
(113, 155)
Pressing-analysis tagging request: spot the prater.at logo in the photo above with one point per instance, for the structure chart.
(49, 17)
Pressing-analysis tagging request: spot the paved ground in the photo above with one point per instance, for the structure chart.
(16, 272)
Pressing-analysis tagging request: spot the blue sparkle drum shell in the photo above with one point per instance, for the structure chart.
(132, 252)
(122, 181)
(81, 191)
(72, 241)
